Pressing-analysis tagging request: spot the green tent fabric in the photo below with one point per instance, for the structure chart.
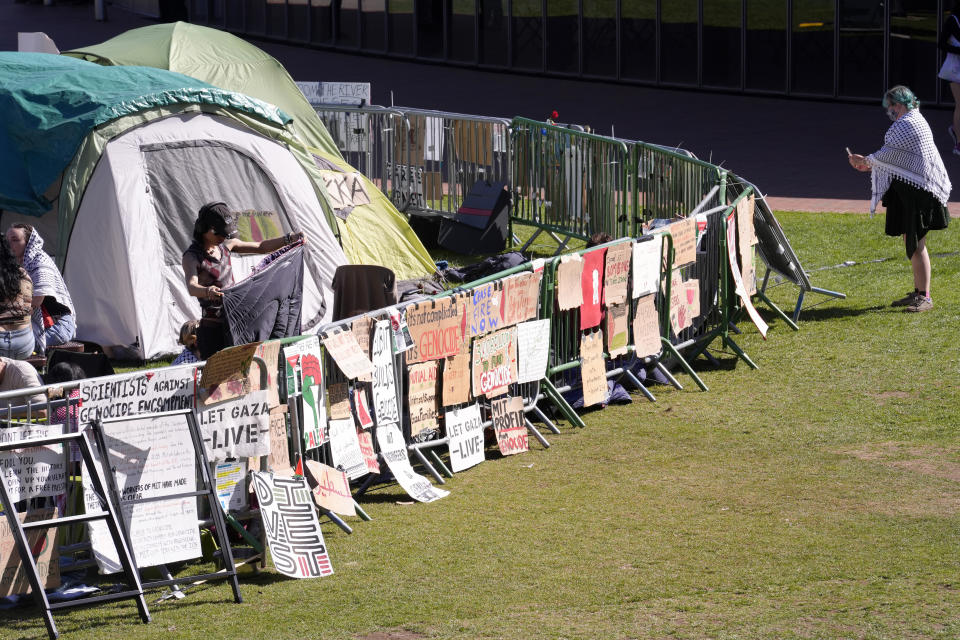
(373, 234)
(51, 103)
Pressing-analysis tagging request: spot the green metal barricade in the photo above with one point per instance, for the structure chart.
(669, 184)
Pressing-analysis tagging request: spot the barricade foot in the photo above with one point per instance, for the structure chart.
(335, 519)
(429, 467)
(545, 420)
(562, 404)
(536, 434)
(684, 364)
(740, 353)
(639, 385)
(360, 512)
(778, 311)
(669, 376)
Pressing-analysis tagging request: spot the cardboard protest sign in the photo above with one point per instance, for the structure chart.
(679, 310)
(130, 394)
(230, 478)
(510, 425)
(32, 471)
(691, 298)
(291, 525)
(436, 329)
(384, 384)
(43, 547)
(366, 448)
(225, 373)
(269, 352)
(483, 306)
(456, 378)
(521, 296)
(303, 364)
(533, 349)
(339, 397)
(749, 275)
(740, 289)
(593, 372)
(402, 341)
(344, 190)
(363, 332)
(494, 362)
(345, 448)
(394, 451)
(150, 458)
(238, 428)
(616, 273)
(422, 397)
(684, 234)
(465, 435)
(617, 330)
(279, 459)
(569, 274)
(330, 488)
(353, 362)
(591, 283)
(746, 232)
(364, 417)
(646, 327)
(646, 266)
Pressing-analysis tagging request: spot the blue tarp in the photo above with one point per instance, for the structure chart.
(50, 103)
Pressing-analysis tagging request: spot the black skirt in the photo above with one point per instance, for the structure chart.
(911, 212)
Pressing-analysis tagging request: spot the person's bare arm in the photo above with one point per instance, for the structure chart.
(265, 246)
(189, 264)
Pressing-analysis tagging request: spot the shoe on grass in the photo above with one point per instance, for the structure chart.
(906, 300)
(921, 303)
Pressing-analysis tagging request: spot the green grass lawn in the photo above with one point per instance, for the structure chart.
(818, 497)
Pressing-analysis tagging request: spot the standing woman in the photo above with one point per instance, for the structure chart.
(907, 173)
(16, 294)
(950, 71)
(207, 270)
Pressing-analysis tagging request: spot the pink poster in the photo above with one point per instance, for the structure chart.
(591, 282)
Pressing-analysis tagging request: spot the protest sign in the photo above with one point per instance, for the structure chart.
(394, 451)
(422, 397)
(510, 425)
(456, 377)
(646, 327)
(616, 273)
(494, 362)
(231, 484)
(339, 397)
(353, 362)
(43, 546)
(32, 471)
(279, 459)
(591, 283)
(691, 290)
(436, 329)
(746, 232)
(684, 234)
(269, 352)
(402, 341)
(646, 266)
(238, 428)
(483, 304)
(594, 378)
(344, 190)
(366, 448)
(363, 409)
(330, 488)
(225, 373)
(290, 522)
(533, 348)
(617, 328)
(304, 370)
(130, 394)
(465, 436)
(569, 274)
(345, 448)
(679, 311)
(521, 296)
(384, 384)
(149, 458)
(362, 331)
(740, 289)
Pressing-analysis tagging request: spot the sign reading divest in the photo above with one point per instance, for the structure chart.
(131, 394)
(238, 428)
(436, 329)
(465, 434)
(495, 362)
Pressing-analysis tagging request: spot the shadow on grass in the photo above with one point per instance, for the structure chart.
(832, 313)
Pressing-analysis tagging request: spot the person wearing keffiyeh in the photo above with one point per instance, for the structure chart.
(54, 317)
(908, 177)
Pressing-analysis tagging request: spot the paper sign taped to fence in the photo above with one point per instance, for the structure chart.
(330, 488)
(616, 273)
(279, 459)
(465, 434)
(692, 297)
(422, 396)
(33, 471)
(746, 232)
(646, 266)
(130, 394)
(456, 378)
(345, 448)
(569, 274)
(494, 362)
(401, 332)
(352, 361)
(366, 448)
(384, 383)
(646, 327)
(521, 295)
(684, 234)
(591, 282)
(344, 189)
(43, 547)
(269, 352)
(290, 522)
(238, 428)
(510, 425)
(483, 308)
(593, 370)
(617, 330)
(738, 280)
(230, 478)
(363, 331)
(225, 374)
(150, 458)
(339, 397)
(305, 374)
(436, 327)
(533, 349)
(364, 417)
(394, 451)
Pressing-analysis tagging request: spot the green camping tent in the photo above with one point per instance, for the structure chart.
(374, 233)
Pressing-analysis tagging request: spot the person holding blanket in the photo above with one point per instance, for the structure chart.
(908, 176)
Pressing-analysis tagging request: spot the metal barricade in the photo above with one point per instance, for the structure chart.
(671, 183)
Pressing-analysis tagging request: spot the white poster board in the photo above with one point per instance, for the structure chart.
(237, 428)
(465, 433)
(33, 471)
(384, 381)
(394, 451)
(533, 347)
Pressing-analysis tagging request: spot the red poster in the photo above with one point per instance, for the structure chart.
(591, 282)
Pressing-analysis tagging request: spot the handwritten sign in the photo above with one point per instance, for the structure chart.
(331, 489)
(456, 378)
(346, 352)
(684, 233)
(339, 397)
(746, 231)
(269, 352)
(345, 448)
(592, 370)
(465, 434)
(533, 349)
(231, 485)
(362, 408)
(131, 394)
(569, 274)
(679, 310)
(521, 297)
(483, 306)
(617, 328)
(646, 266)
(394, 451)
(344, 190)
(43, 547)
(646, 327)
(225, 373)
(494, 362)
(303, 366)
(436, 329)
(691, 297)
(238, 428)
(384, 384)
(740, 289)
(422, 394)
(32, 471)
(279, 459)
(510, 425)
(366, 448)
(362, 331)
(591, 282)
(616, 273)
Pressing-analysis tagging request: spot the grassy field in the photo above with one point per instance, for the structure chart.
(818, 497)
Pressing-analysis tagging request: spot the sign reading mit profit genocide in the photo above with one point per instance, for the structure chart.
(509, 423)
(495, 362)
(436, 329)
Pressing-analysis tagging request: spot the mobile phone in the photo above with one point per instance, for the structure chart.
(849, 153)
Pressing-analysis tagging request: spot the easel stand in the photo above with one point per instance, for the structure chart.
(114, 524)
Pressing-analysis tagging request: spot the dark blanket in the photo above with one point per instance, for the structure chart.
(484, 268)
(267, 303)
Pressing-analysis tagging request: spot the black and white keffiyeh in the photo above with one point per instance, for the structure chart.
(910, 154)
(47, 282)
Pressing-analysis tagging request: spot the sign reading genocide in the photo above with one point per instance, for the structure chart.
(290, 522)
(32, 472)
(684, 233)
(465, 435)
(521, 295)
(394, 451)
(533, 348)
(43, 547)
(569, 274)
(345, 450)
(436, 329)
(646, 327)
(345, 351)
(616, 273)
(483, 306)
(422, 395)
(305, 374)
(366, 448)
(131, 394)
(456, 377)
(646, 266)
(384, 385)
(494, 362)
(593, 372)
(617, 329)
(510, 425)
(238, 428)
(591, 282)
(741, 290)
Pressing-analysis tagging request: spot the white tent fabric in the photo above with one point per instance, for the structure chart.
(129, 296)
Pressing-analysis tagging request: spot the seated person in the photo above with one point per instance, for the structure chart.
(16, 295)
(188, 338)
(17, 374)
